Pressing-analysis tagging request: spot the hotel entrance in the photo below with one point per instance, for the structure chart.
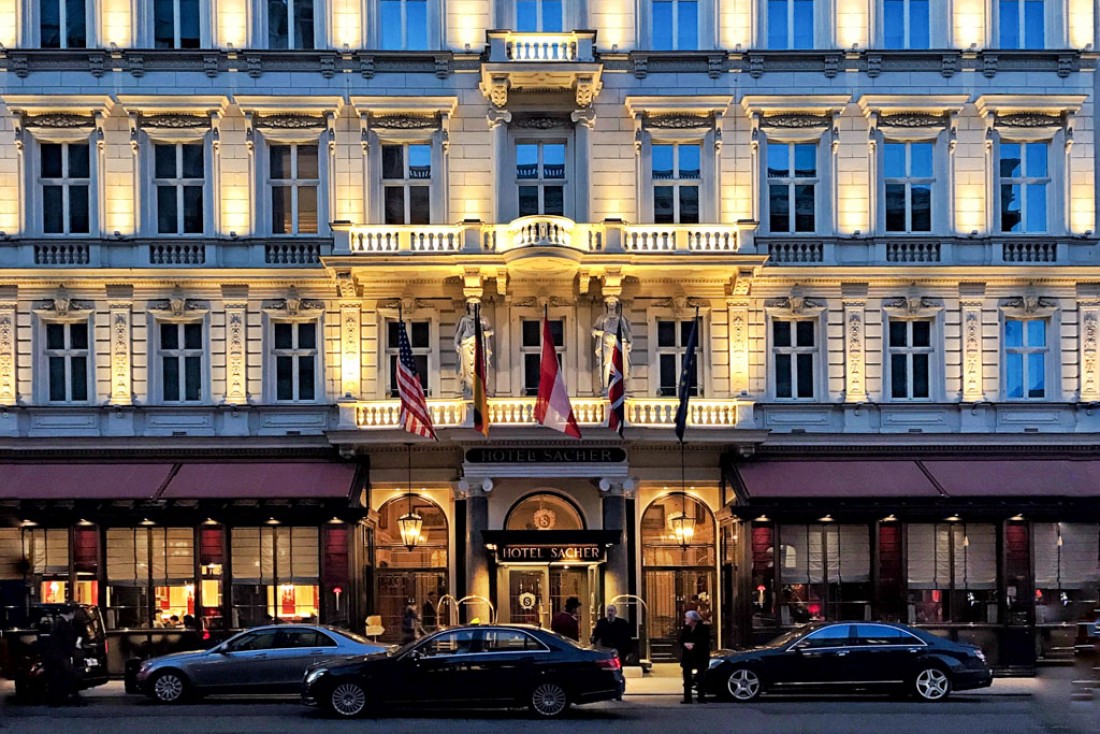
(536, 594)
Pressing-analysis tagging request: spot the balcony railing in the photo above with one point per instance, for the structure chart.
(405, 238)
(521, 47)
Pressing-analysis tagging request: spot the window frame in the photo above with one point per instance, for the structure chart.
(908, 181)
(262, 23)
(824, 31)
(151, 210)
(1050, 352)
(568, 183)
(511, 10)
(271, 354)
(374, 184)
(373, 12)
(1055, 221)
(566, 356)
(156, 371)
(815, 351)
(909, 350)
(145, 14)
(938, 35)
(33, 25)
(708, 170)
(36, 199)
(265, 208)
(406, 182)
(428, 381)
(42, 357)
(678, 352)
(1053, 26)
(702, 41)
(676, 182)
(703, 352)
(818, 181)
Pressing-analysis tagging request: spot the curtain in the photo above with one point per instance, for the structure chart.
(853, 556)
(928, 556)
(1080, 555)
(975, 556)
(1044, 540)
(794, 554)
(11, 553)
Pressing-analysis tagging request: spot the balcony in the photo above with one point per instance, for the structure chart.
(164, 252)
(927, 251)
(539, 62)
(512, 46)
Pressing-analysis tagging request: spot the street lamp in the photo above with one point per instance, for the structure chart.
(410, 524)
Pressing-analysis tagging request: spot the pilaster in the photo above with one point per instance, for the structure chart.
(9, 382)
(120, 302)
(235, 303)
(971, 299)
(855, 356)
(1088, 314)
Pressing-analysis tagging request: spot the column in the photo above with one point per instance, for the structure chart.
(854, 297)
(1088, 315)
(9, 382)
(477, 558)
(120, 301)
(616, 577)
(498, 129)
(585, 120)
(971, 299)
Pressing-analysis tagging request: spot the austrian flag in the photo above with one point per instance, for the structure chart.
(552, 408)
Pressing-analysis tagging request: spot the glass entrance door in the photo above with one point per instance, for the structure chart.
(537, 593)
(669, 593)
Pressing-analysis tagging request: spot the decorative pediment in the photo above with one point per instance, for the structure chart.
(912, 305)
(287, 119)
(1029, 304)
(63, 308)
(58, 119)
(294, 306)
(178, 308)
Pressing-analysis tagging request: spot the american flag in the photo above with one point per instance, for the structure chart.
(415, 417)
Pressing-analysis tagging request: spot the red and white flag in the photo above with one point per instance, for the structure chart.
(552, 408)
(616, 419)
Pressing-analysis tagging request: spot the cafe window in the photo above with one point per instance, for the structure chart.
(150, 577)
(47, 552)
(276, 573)
(544, 511)
(824, 572)
(952, 573)
(1067, 570)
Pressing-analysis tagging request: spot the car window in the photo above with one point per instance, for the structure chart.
(458, 642)
(878, 634)
(828, 637)
(509, 641)
(302, 638)
(354, 637)
(253, 641)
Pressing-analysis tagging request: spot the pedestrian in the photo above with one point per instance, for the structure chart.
(567, 623)
(613, 631)
(57, 661)
(410, 624)
(694, 654)
(427, 612)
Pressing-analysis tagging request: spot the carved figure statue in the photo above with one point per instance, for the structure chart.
(464, 346)
(604, 331)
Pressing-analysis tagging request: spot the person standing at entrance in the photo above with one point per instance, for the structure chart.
(427, 613)
(694, 654)
(613, 631)
(567, 623)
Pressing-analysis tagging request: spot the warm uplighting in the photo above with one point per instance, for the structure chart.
(147, 522)
(762, 518)
(953, 518)
(1080, 23)
(826, 518)
(271, 521)
(117, 23)
(851, 23)
(9, 23)
(890, 518)
(1016, 518)
(347, 23)
(232, 23)
(970, 27)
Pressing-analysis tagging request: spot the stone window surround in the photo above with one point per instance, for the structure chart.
(825, 15)
(387, 314)
(661, 312)
(914, 307)
(797, 308)
(1031, 307)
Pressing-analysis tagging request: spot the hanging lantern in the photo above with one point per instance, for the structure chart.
(683, 527)
(410, 525)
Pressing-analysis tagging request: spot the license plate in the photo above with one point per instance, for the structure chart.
(91, 663)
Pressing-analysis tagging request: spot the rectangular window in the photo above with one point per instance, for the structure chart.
(907, 170)
(178, 175)
(905, 24)
(825, 572)
(531, 349)
(150, 577)
(794, 351)
(1067, 574)
(67, 361)
(675, 25)
(419, 341)
(540, 178)
(910, 352)
(404, 24)
(181, 353)
(792, 179)
(176, 24)
(276, 574)
(289, 24)
(1022, 23)
(676, 176)
(1025, 359)
(62, 24)
(295, 352)
(65, 180)
(952, 573)
(790, 24)
(540, 16)
(672, 340)
(294, 179)
(407, 183)
(1024, 180)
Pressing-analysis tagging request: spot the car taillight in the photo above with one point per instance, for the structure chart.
(106, 647)
(609, 664)
(205, 635)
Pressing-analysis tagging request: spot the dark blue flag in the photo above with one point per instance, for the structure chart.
(687, 379)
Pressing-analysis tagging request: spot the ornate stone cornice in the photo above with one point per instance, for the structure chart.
(1028, 120)
(678, 121)
(541, 122)
(795, 120)
(405, 122)
(59, 121)
(912, 120)
(290, 121)
(174, 122)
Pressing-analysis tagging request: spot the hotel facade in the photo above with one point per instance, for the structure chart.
(215, 215)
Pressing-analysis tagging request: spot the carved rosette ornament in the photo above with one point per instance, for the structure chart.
(587, 89)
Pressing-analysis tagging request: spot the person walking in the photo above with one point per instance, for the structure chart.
(694, 654)
(427, 612)
(567, 623)
(410, 624)
(613, 631)
(57, 661)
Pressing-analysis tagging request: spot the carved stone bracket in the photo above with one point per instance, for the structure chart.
(63, 308)
(585, 117)
(1030, 304)
(588, 86)
(346, 287)
(912, 305)
(795, 304)
(497, 117)
(178, 308)
(497, 90)
(294, 306)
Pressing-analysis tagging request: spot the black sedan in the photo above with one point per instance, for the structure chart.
(501, 666)
(847, 656)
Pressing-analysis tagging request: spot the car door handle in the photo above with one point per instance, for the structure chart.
(842, 653)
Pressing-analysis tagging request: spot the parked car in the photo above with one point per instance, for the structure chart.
(269, 659)
(847, 656)
(501, 666)
(22, 652)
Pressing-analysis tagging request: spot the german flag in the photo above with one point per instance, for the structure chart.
(481, 394)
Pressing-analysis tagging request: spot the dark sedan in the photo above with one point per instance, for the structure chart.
(502, 666)
(851, 656)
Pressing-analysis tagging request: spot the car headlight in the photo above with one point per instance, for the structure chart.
(980, 655)
(313, 675)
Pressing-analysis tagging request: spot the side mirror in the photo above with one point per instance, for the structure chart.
(414, 655)
(801, 647)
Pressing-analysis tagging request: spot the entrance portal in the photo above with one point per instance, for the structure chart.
(534, 594)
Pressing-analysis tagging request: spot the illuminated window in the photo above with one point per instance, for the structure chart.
(150, 577)
(276, 574)
(407, 183)
(293, 182)
(676, 176)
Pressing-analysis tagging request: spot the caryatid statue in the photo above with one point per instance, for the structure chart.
(464, 346)
(604, 332)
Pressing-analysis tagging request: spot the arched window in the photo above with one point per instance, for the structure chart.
(544, 511)
(661, 540)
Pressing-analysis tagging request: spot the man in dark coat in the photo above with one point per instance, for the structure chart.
(613, 631)
(57, 659)
(567, 623)
(694, 654)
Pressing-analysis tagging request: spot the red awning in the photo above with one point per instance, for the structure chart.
(1017, 478)
(26, 481)
(277, 480)
(819, 479)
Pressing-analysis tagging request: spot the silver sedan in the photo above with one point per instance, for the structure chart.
(269, 659)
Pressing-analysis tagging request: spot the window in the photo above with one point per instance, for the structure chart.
(1022, 23)
(1067, 573)
(176, 24)
(291, 638)
(792, 177)
(254, 641)
(910, 347)
(150, 576)
(290, 24)
(790, 24)
(672, 340)
(794, 351)
(420, 341)
(836, 636)
(496, 640)
(181, 352)
(294, 178)
(407, 183)
(676, 198)
(276, 574)
(907, 169)
(540, 174)
(531, 348)
(905, 24)
(65, 178)
(1024, 180)
(824, 572)
(1025, 359)
(67, 357)
(295, 361)
(952, 573)
(179, 174)
(878, 634)
(63, 24)
(458, 642)
(540, 16)
(675, 25)
(404, 24)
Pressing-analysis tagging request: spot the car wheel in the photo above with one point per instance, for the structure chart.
(348, 700)
(169, 687)
(549, 700)
(744, 685)
(931, 684)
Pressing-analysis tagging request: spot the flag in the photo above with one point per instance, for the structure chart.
(552, 408)
(481, 396)
(616, 390)
(414, 416)
(687, 377)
